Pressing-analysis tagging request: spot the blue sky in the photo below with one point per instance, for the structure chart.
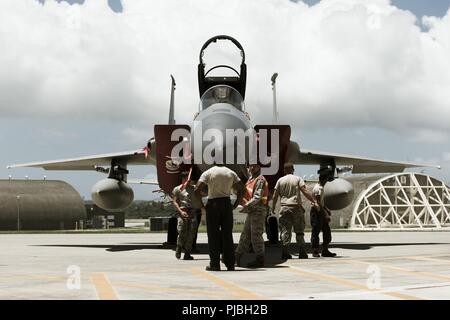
(420, 8)
(88, 118)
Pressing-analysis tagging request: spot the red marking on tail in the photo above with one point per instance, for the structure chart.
(184, 185)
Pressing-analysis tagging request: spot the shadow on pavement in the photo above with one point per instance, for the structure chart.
(272, 254)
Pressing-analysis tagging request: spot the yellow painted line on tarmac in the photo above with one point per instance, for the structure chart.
(428, 259)
(102, 286)
(183, 291)
(348, 283)
(376, 258)
(233, 288)
(15, 277)
(421, 274)
(403, 257)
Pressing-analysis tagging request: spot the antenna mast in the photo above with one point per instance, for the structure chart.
(172, 102)
(274, 89)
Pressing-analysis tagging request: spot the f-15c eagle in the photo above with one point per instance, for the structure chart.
(221, 110)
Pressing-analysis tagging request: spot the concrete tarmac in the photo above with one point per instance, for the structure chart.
(370, 265)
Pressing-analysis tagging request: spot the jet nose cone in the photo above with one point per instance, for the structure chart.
(221, 136)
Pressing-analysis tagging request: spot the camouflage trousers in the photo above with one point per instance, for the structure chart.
(253, 232)
(186, 233)
(292, 217)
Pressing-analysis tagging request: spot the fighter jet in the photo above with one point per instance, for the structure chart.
(221, 109)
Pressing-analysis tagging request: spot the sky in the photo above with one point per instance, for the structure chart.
(363, 77)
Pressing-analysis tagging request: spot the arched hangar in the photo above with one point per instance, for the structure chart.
(39, 205)
(402, 201)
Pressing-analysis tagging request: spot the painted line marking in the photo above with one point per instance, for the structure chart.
(205, 294)
(50, 278)
(234, 289)
(404, 270)
(360, 293)
(102, 286)
(348, 283)
(374, 258)
(428, 259)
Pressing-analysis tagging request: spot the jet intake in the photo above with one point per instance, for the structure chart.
(338, 194)
(110, 194)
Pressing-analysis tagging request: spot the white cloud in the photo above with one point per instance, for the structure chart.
(342, 63)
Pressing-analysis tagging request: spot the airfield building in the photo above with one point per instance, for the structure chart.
(39, 205)
(394, 202)
(98, 218)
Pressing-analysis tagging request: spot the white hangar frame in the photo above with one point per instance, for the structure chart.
(403, 201)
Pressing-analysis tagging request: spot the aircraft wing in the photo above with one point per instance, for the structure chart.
(134, 157)
(359, 164)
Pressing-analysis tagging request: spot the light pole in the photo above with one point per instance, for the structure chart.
(274, 89)
(18, 212)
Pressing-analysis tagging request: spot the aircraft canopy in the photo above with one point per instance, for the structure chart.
(221, 94)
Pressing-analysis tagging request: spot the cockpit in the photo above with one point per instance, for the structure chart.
(222, 94)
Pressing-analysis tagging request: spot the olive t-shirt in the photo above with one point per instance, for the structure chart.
(187, 198)
(219, 180)
(289, 190)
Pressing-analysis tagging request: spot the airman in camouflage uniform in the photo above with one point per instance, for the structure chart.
(320, 219)
(292, 213)
(188, 205)
(255, 205)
